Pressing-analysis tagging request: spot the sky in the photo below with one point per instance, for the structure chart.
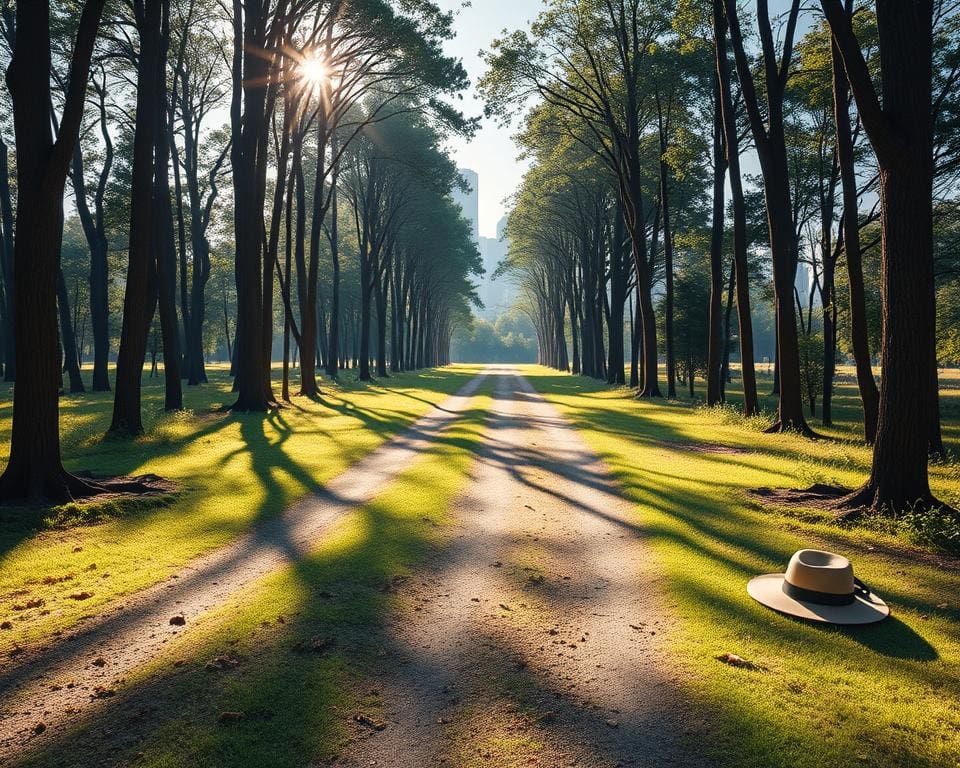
(491, 153)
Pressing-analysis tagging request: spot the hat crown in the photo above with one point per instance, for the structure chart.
(819, 571)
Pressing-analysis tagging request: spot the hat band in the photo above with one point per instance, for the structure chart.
(812, 596)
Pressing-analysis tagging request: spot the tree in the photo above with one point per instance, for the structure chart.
(35, 469)
(901, 130)
(770, 140)
(141, 287)
(869, 395)
(95, 231)
(731, 141)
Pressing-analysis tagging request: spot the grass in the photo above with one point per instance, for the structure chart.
(231, 470)
(294, 707)
(878, 695)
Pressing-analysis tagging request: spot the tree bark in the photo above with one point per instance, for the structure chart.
(68, 339)
(9, 259)
(35, 470)
(141, 290)
(715, 333)
(900, 127)
(869, 394)
(250, 75)
(165, 245)
(618, 297)
(742, 279)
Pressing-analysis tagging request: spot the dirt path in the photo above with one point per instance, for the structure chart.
(62, 683)
(534, 639)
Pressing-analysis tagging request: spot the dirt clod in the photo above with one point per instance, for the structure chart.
(731, 659)
(178, 621)
(316, 644)
(365, 719)
(220, 663)
(36, 602)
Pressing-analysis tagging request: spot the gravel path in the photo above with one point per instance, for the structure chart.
(534, 639)
(64, 682)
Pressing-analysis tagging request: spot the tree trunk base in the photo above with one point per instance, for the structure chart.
(803, 429)
(648, 393)
(844, 504)
(62, 487)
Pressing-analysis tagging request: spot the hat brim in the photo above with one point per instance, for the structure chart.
(768, 590)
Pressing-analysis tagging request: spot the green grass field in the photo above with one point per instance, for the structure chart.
(883, 695)
(231, 471)
(298, 707)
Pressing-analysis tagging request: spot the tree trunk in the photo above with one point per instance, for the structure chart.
(165, 244)
(68, 340)
(728, 310)
(635, 322)
(9, 281)
(715, 333)
(742, 280)
(141, 289)
(250, 75)
(35, 470)
(869, 394)
(618, 297)
(93, 229)
(901, 131)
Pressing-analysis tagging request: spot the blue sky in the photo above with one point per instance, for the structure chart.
(491, 153)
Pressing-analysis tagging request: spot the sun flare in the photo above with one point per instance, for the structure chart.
(313, 70)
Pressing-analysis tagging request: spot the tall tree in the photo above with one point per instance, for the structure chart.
(900, 125)
(859, 334)
(740, 260)
(770, 140)
(35, 469)
(95, 231)
(140, 297)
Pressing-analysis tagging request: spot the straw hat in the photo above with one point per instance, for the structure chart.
(819, 586)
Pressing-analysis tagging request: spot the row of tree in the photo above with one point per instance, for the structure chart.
(639, 119)
(301, 141)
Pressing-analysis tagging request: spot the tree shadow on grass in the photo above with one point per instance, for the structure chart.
(299, 639)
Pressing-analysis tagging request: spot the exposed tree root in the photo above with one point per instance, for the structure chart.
(63, 488)
(845, 504)
(649, 394)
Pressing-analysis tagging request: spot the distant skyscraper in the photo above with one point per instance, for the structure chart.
(469, 202)
(496, 295)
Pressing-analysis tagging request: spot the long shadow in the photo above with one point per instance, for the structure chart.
(298, 640)
(275, 541)
(727, 535)
(119, 456)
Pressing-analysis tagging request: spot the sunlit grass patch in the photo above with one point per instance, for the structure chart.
(299, 641)
(877, 695)
(230, 471)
